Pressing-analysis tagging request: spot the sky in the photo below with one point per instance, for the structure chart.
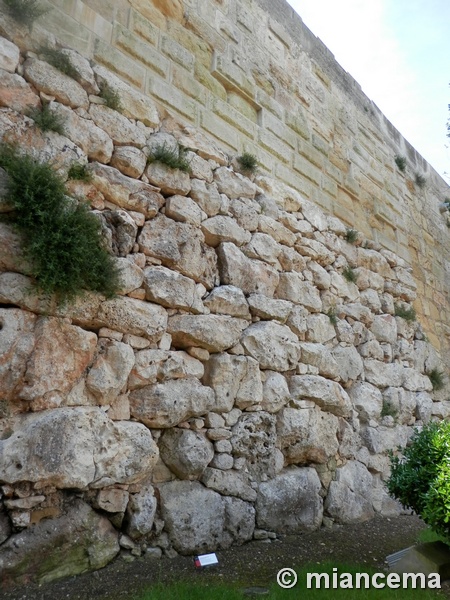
(399, 52)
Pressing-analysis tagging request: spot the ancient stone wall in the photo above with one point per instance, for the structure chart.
(252, 374)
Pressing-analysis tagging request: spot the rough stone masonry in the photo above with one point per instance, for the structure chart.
(239, 387)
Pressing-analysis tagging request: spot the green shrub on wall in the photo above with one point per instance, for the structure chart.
(61, 237)
(420, 479)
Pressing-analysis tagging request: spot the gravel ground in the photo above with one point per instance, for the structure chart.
(253, 564)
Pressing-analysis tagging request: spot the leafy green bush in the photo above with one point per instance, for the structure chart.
(420, 479)
(46, 119)
(420, 180)
(61, 238)
(111, 97)
(351, 236)
(248, 162)
(400, 161)
(79, 172)
(175, 158)
(59, 60)
(437, 379)
(25, 12)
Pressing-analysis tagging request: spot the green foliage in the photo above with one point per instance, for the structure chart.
(437, 379)
(388, 410)
(46, 119)
(111, 97)
(332, 316)
(421, 479)
(349, 274)
(80, 172)
(420, 180)
(400, 161)
(59, 60)
(61, 238)
(351, 236)
(175, 158)
(24, 12)
(409, 314)
(248, 162)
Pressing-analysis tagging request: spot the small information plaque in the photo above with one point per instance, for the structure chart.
(205, 560)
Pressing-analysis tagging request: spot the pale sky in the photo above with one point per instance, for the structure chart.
(399, 52)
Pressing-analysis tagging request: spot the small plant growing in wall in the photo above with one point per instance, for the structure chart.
(407, 313)
(248, 162)
(400, 161)
(110, 96)
(388, 410)
(175, 158)
(58, 59)
(420, 180)
(79, 172)
(331, 313)
(61, 238)
(351, 236)
(437, 379)
(349, 275)
(46, 119)
(24, 12)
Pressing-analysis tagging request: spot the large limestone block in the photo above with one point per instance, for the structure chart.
(170, 181)
(275, 392)
(228, 483)
(251, 276)
(276, 230)
(329, 395)
(367, 399)
(49, 80)
(415, 381)
(131, 276)
(424, 407)
(121, 130)
(185, 210)
(129, 160)
(381, 439)
(126, 192)
(78, 541)
(234, 185)
(94, 142)
(76, 448)
(194, 516)
(318, 355)
(285, 197)
(158, 365)
(267, 308)
(274, 346)
(130, 315)
(307, 435)
(290, 503)
(109, 373)
(383, 374)
(239, 521)
(315, 250)
(85, 74)
(120, 230)
(171, 289)
(293, 288)
(180, 246)
(254, 438)
(163, 405)
(350, 363)
(187, 453)
(228, 300)
(374, 261)
(235, 380)
(16, 93)
(224, 229)
(349, 497)
(384, 328)
(9, 55)
(402, 403)
(141, 512)
(214, 333)
(263, 247)
(320, 329)
(11, 255)
(246, 212)
(206, 196)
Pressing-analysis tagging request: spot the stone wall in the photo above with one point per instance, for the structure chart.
(247, 382)
(253, 77)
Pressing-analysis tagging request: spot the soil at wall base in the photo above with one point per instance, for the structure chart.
(253, 564)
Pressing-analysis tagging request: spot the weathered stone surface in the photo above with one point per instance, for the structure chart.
(121, 130)
(233, 185)
(315, 250)
(224, 229)
(109, 373)
(320, 329)
(329, 395)
(235, 380)
(94, 142)
(383, 374)
(251, 276)
(350, 364)
(158, 365)
(9, 55)
(187, 453)
(184, 210)
(254, 438)
(293, 288)
(239, 521)
(358, 312)
(84, 73)
(126, 192)
(163, 405)
(228, 300)
(285, 197)
(424, 407)
(15, 92)
(11, 255)
(129, 315)
(307, 435)
(415, 381)
(171, 181)
(180, 246)
(367, 399)
(171, 289)
(275, 392)
(120, 231)
(206, 195)
(297, 321)
(349, 498)
(131, 276)
(266, 308)
(129, 160)
(401, 403)
(318, 355)
(380, 439)
(5, 527)
(274, 346)
(263, 247)
(215, 333)
(276, 230)
(49, 80)
(112, 500)
(290, 503)
(384, 328)
(228, 483)
(78, 541)
(75, 448)
(246, 212)
(141, 512)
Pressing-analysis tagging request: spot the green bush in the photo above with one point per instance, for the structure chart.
(248, 162)
(351, 236)
(61, 238)
(409, 314)
(46, 119)
(437, 379)
(175, 158)
(349, 275)
(420, 479)
(400, 161)
(79, 172)
(111, 97)
(24, 12)
(59, 60)
(420, 180)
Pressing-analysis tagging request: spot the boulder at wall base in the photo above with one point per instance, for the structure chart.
(80, 540)
(349, 498)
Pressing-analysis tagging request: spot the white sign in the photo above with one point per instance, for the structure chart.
(205, 560)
